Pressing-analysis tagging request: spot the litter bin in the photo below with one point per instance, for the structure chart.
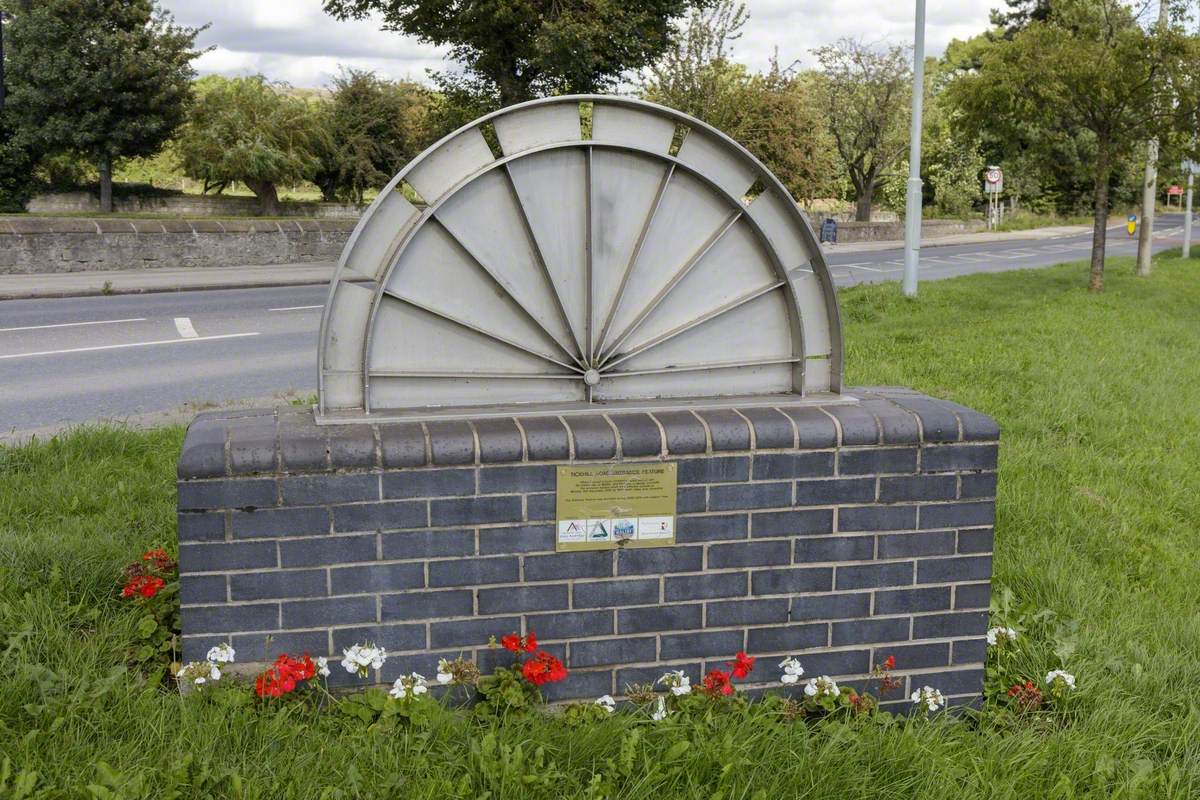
(829, 230)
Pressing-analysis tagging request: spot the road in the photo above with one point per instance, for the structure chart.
(160, 357)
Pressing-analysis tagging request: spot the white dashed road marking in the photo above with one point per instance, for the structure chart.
(185, 328)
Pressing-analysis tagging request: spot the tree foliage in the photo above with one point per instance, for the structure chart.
(774, 114)
(864, 93)
(515, 50)
(104, 79)
(371, 128)
(1088, 68)
(249, 130)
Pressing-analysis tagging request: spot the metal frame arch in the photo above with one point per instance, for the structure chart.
(770, 182)
(430, 213)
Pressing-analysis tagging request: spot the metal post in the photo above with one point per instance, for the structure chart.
(1149, 187)
(912, 206)
(1, 60)
(1187, 218)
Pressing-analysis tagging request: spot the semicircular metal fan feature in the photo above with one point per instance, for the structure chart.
(574, 251)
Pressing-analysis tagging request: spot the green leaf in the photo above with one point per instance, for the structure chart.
(146, 626)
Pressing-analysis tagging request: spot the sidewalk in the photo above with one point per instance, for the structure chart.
(982, 237)
(82, 284)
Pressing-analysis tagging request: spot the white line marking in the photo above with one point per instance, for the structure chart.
(185, 328)
(133, 344)
(294, 308)
(72, 324)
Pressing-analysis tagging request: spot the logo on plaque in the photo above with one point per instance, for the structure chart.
(616, 505)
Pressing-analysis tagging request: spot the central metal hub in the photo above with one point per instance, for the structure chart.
(591, 377)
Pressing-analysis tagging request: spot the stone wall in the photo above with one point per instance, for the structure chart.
(55, 244)
(186, 205)
(894, 231)
(837, 533)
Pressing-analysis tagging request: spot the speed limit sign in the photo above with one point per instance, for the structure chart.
(993, 180)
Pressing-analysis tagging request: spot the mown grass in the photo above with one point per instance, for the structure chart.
(1098, 519)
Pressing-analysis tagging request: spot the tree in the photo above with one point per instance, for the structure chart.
(1020, 13)
(249, 130)
(773, 114)
(1089, 66)
(372, 127)
(515, 50)
(106, 79)
(864, 94)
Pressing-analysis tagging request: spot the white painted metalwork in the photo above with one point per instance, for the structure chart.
(609, 251)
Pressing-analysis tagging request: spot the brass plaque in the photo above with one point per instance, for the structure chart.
(616, 505)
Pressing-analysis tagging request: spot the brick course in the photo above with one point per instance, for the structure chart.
(836, 533)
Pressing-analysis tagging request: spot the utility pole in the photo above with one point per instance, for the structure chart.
(1, 60)
(1187, 217)
(1150, 184)
(912, 205)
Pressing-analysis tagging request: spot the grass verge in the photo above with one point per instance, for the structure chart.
(1099, 509)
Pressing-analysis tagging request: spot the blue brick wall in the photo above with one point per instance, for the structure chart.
(840, 534)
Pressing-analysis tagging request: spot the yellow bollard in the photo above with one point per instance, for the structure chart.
(1131, 225)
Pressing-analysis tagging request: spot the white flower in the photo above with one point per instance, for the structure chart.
(791, 670)
(444, 675)
(1000, 634)
(323, 667)
(1058, 674)
(412, 685)
(820, 687)
(198, 673)
(678, 682)
(221, 654)
(359, 658)
(607, 703)
(929, 697)
(660, 710)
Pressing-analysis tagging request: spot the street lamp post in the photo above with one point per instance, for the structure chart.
(1187, 216)
(912, 205)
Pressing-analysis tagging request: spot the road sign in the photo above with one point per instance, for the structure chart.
(993, 180)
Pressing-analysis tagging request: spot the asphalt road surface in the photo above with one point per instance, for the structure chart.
(161, 356)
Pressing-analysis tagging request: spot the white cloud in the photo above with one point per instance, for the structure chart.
(295, 41)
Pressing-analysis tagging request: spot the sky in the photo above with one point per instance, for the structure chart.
(296, 42)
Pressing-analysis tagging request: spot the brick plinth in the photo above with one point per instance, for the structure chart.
(839, 534)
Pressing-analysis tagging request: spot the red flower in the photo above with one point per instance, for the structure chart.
(890, 663)
(1027, 697)
(741, 666)
(145, 585)
(717, 682)
(515, 643)
(543, 668)
(283, 676)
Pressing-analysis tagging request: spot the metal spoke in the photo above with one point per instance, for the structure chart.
(393, 373)
(482, 331)
(765, 362)
(671, 334)
(671, 284)
(633, 257)
(500, 285)
(590, 290)
(541, 260)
